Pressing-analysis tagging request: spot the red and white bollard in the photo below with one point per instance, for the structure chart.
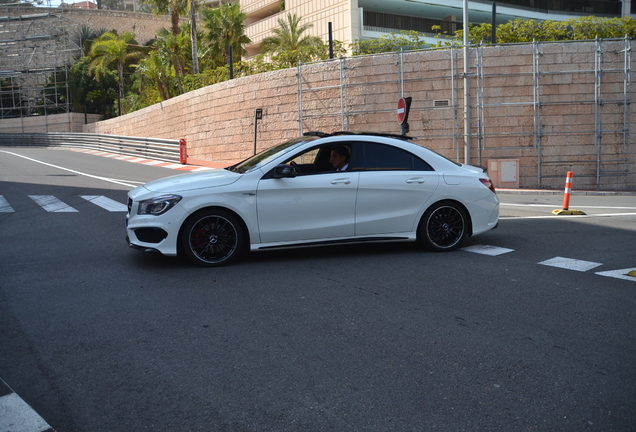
(566, 198)
(183, 151)
(568, 190)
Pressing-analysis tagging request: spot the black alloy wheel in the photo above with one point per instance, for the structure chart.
(212, 237)
(443, 227)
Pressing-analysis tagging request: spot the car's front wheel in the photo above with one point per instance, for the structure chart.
(443, 227)
(212, 237)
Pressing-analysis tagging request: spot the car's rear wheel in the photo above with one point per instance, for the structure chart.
(443, 227)
(212, 237)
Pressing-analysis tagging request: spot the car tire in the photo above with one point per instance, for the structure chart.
(443, 227)
(212, 238)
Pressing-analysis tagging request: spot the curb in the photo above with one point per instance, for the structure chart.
(560, 192)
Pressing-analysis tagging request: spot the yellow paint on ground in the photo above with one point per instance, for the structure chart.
(567, 212)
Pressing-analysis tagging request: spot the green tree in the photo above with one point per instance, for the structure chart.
(173, 7)
(86, 36)
(154, 72)
(9, 89)
(111, 50)
(226, 28)
(111, 4)
(583, 28)
(176, 50)
(88, 94)
(79, 90)
(405, 40)
(176, 8)
(289, 46)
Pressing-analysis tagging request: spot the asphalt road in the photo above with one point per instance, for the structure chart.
(532, 327)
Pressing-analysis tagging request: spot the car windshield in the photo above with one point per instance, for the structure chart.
(268, 155)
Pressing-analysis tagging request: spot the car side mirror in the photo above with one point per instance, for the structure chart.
(284, 171)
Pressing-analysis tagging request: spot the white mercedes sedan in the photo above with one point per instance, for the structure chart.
(318, 189)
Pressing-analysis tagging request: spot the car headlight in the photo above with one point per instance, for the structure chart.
(158, 205)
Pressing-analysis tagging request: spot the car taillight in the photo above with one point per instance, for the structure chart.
(488, 184)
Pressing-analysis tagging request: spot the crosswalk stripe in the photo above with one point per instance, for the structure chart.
(570, 264)
(106, 203)
(487, 250)
(625, 274)
(17, 415)
(52, 204)
(5, 207)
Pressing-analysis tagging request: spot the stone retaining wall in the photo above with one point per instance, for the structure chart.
(70, 122)
(145, 26)
(562, 117)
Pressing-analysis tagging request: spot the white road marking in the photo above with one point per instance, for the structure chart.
(106, 203)
(173, 166)
(556, 205)
(146, 161)
(5, 207)
(619, 274)
(52, 204)
(551, 216)
(570, 264)
(119, 182)
(487, 250)
(17, 416)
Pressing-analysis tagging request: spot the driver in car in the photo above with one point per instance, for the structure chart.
(339, 158)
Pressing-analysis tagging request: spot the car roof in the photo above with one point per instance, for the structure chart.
(348, 133)
(403, 141)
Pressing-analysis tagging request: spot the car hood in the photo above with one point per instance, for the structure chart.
(192, 181)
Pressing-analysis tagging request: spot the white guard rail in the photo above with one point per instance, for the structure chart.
(152, 148)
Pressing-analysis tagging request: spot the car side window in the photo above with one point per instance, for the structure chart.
(313, 161)
(381, 157)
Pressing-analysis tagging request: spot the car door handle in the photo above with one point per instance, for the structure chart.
(418, 180)
(341, 181)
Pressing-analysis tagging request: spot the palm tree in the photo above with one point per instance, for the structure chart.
(86, 36)
(175, 49)
(288, 45)
(110, 49)
(174, 7)
(87, 94)
(155, 70)
(226, 28)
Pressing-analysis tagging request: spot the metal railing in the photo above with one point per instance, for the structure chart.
(594, 99)
(160, 149)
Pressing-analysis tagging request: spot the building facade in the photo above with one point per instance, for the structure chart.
(353, 20)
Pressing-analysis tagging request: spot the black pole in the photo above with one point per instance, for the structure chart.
(258, 114)
(193, 36)
(231, 62)
(330, 42)
(493, 38)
